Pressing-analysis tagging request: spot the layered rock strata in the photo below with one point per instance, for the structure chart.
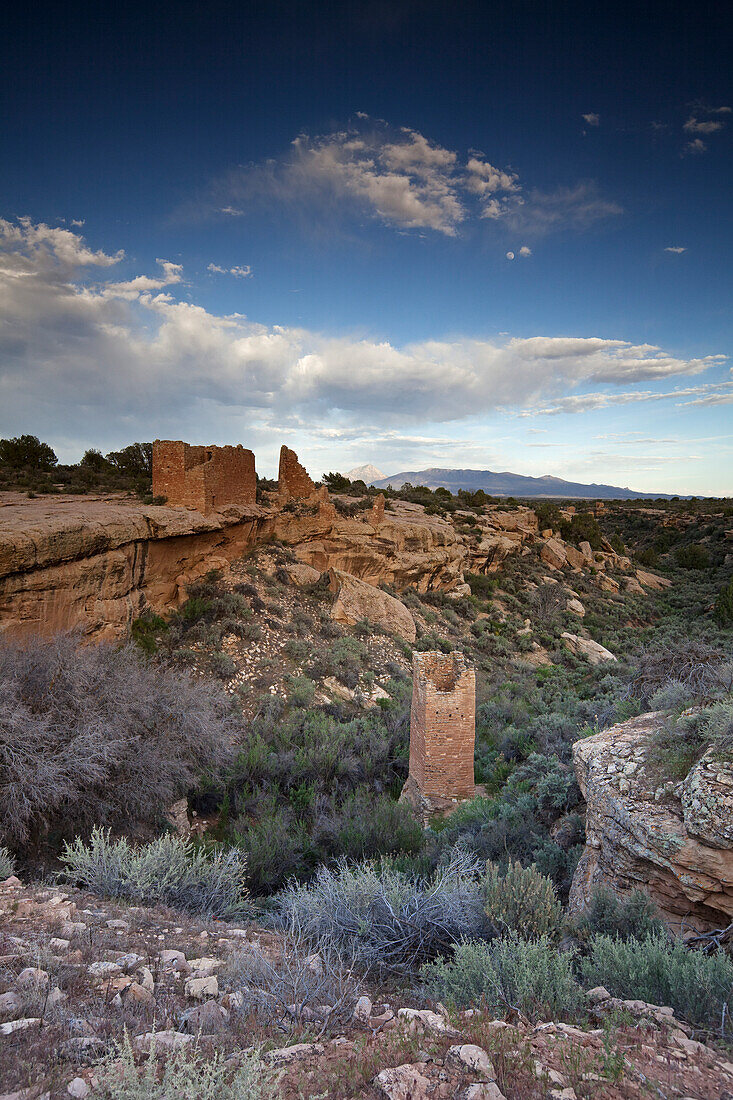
(672, 840)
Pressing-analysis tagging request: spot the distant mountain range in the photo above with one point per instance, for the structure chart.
(502, 484)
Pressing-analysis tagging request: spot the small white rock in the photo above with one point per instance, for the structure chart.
(78, 1087)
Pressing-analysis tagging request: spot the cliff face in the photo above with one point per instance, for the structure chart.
(673, 840)
(97, 563)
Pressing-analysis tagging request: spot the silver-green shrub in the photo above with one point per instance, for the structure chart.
(7, 864)
(531, 977)
(664, 972)
(521, 901)
(168, 870)
(185, 1074)
(386, 919)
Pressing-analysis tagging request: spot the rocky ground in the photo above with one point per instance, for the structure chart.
(77, 970)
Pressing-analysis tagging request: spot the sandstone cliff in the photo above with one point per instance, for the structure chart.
(97, 563)
(673, 840)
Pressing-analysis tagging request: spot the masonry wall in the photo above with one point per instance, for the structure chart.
(292, 478)
(442, 725)
(208, 479)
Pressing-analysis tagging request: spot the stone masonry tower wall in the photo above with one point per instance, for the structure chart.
(293, 481)
(442, 726)
(208, 479)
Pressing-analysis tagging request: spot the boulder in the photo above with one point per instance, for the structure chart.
(586, 647)
(575, 558)
(651, 580)
(356, 600)
(403, 1083)
(575, 606)
(553, 553)
(300, 574)
(673, 840)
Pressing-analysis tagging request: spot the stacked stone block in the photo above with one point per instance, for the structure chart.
(209, 479)
(442, 727)
(293, 481)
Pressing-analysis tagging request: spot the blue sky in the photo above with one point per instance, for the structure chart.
(408, 233)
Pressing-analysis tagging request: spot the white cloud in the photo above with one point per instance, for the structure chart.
(40, 242)
(576, 207)
(525, 250)
(134, 288)
(677, 249)
(401, 178)
(704, 120)
(237, 272)
(78, 222)
(592, 118)
(130, 353)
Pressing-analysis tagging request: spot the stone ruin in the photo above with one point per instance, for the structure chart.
(212, 479)
(376, 513)
(209, 479)
(293, 481)
(442, 733)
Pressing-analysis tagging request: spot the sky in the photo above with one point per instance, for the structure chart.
(407, 232)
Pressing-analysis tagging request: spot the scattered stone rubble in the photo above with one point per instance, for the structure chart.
(76, 969)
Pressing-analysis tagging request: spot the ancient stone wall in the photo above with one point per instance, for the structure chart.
(293, 481)
(442, 727)
(208, 479)
(376, 513)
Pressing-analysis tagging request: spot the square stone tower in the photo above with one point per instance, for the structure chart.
(442, 728)
(208, 479)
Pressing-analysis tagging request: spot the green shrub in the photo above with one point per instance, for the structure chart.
(634, 917)
(168, 870)
(693, 556)
(300, 690)
(531, 977)
(723, 609)
(185, 1074)
(521, 901)
(7, 864)
(481, 585)
(663, 972)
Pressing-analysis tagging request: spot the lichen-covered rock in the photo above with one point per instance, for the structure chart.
(672, 840)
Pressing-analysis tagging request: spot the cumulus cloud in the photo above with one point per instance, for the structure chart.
(40, 243)
(238, 272)
(403, 179)
(525, 251)
(696, 146)
(130, 352)
(592, 118)
(677, 249)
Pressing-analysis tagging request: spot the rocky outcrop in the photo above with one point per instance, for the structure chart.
(98, 563)
(672, 840)
(356, 600)
(405, 547)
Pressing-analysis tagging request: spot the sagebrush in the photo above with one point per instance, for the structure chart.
(384, 918)
(167, 870)
(508, 974)
(664, 972)
(185, 1074)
